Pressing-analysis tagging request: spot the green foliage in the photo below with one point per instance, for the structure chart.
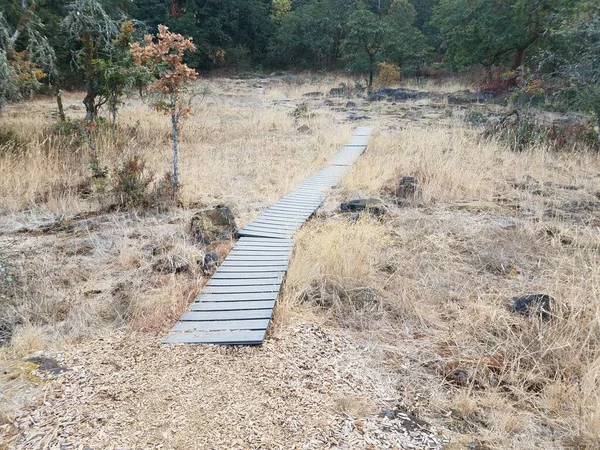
(310, 36)
(475, 117)
(491, 32)
(26, 57)
(363, 46)
(579, 61)
(372, 38)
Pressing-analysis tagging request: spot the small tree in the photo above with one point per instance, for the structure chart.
(164, 58)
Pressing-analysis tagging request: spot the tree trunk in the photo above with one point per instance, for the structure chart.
(515, 67)
(174, 124)
(370, 79)
(90, 108)
(59, 103)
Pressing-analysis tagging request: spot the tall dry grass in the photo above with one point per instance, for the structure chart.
(440, 276)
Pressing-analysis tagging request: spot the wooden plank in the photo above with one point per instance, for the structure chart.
(257, 230)
(222, 325)
(233, 306)
(363, 131)
(266, 241)
(252, 269)
(271, 228)
(242, 289)
(261, 232)
(257, 251)
(227, 315)
(237, 297)
(241, 263)
(296, 202)
(283, 226)
(278, 259)
(268, 244)
(244, 281)
(358, 140)
(264, 258)
(247, 275)
(217, 337)
(278, 221)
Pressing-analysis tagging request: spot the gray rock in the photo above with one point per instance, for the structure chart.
(210, 262)
(337, 92)
(354, 116)
(408, 188)
(304, 129)
(533, 305)
(350, 105)
(371, 205)
(213, 224)
(389, 413)
(465, 97)
(47, 365)
(396, 94)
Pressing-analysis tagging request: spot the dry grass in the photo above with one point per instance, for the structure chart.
(442, 274)
(426, 288)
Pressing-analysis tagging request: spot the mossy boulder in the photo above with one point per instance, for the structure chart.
(213, 224)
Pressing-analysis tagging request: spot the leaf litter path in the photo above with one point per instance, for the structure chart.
(236, 305)
(305, 388)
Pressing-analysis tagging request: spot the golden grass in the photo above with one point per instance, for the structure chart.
(443, 278)
(426, 286)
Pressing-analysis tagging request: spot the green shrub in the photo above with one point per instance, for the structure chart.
(130, 183)
(131, 186)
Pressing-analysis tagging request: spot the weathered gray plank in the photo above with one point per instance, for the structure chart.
(247, 275)
(243, 281)
(257, 251)
(217, 337)
(241, 289)
(227, 315)
(235, 297)
(358, 140)
(257, 230)
(222, 325)
(250, 269)
(232, 306)
(243, 263)
(261, 232)
(363, 131)
(260, 222)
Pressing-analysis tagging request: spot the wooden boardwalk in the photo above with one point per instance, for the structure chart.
(236, 305)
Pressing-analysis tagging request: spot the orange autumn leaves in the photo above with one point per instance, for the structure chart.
(165, 57)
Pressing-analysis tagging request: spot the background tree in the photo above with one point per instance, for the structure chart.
(164, 59)
(577, 59)
(405, 44)
(88, 23)
(310, 36)
(26, 57)
(493, 32)
(367, 37)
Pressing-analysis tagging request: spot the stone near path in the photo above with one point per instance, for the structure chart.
(214, 224)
